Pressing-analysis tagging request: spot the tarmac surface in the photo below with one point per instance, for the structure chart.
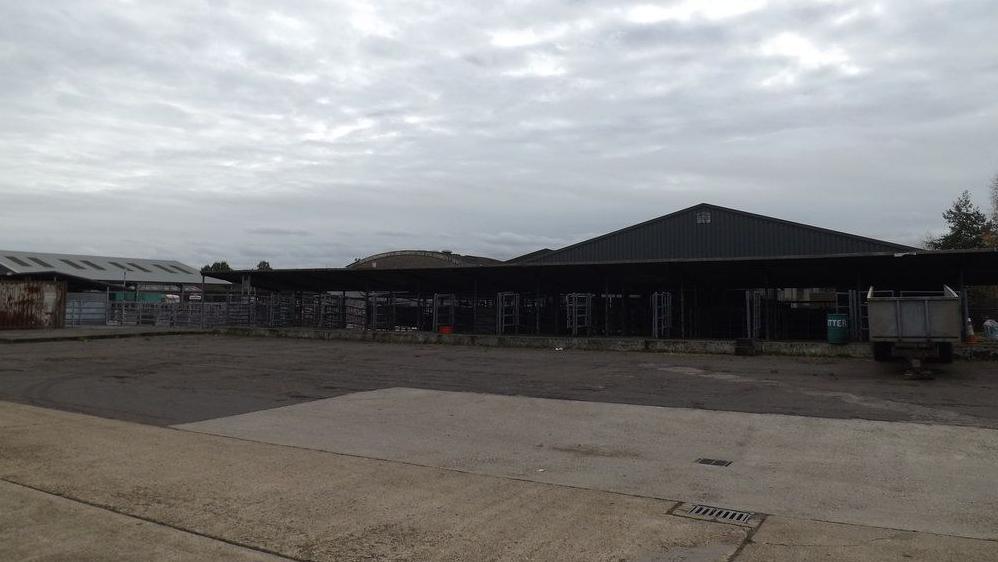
(277, 449)
(168, 380)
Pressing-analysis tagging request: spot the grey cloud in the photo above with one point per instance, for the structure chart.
(278, 231)
(330, 131)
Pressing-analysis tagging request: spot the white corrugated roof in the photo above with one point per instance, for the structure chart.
(104, 268)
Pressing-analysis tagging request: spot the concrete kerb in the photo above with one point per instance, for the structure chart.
(981, 350)
(72, 334)
(984, 351)
(711, 347)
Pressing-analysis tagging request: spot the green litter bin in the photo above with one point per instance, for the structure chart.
(838, 329)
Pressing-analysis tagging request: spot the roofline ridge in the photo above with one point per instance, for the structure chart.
(730, 210)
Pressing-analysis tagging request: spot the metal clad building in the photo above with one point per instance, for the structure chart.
(707, 232)
(101, 269)
(415, 259)
(32, 304)
(706, 272)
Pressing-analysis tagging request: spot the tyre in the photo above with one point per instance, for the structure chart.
(945, 353)
(881, 351)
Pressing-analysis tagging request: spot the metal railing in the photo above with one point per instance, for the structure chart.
(322, 311)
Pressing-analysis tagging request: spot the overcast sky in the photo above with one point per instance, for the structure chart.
(308, 133)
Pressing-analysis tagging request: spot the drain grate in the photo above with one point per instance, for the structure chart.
(714, 462)
(720, 514)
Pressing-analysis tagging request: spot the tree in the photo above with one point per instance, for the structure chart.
(264, 266)
(994, 199)
(217, 267)
(969, 227)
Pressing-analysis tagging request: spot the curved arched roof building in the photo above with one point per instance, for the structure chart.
(411, 259)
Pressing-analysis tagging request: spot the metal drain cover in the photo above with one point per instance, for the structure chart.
(720, 514)
(714, 462)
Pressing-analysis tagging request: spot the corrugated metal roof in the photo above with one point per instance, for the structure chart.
(531, 256)
(103, 268)
(914, 269)
(707, 231)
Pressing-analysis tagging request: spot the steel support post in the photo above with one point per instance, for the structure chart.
(965, 308)
(474, 308)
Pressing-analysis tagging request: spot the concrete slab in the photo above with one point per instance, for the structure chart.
(791, 539)
(39, 526)
(897, 475)
(15, 416)
(321, 506)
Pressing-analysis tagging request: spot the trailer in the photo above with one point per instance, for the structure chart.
(915, 325)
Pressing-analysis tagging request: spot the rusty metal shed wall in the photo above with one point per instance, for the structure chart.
(32, 304)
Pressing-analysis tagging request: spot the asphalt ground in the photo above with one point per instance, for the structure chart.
(267, 448)
(171, 380)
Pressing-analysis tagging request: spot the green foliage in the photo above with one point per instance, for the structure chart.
(264, 266)
(994, 199)
(217, 267)
(969, 227)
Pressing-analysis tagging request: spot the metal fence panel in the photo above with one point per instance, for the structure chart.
(320, 311)
(86, 309)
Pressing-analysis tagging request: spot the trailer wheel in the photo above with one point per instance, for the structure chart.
(881, 351)
(945, 353)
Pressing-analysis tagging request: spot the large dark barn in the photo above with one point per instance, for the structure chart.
(703, 272)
